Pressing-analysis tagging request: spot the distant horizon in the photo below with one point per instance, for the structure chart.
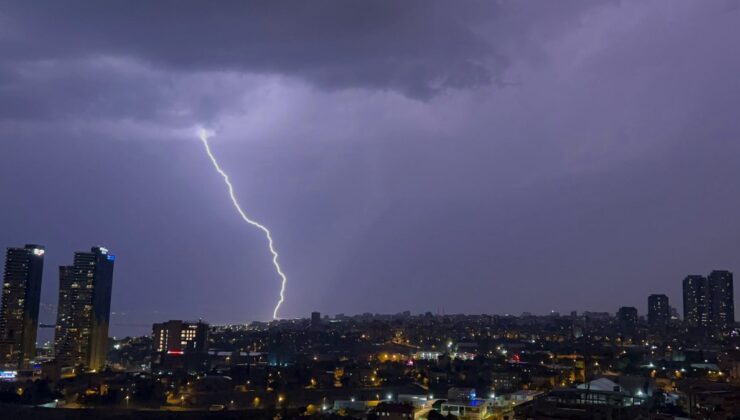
(47, 315)
(641, 313)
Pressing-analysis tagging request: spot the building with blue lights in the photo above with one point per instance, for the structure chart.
(83, 314)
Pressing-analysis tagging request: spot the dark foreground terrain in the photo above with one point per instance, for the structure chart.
(16, 412)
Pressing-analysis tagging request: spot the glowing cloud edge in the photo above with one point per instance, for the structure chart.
(203, 135)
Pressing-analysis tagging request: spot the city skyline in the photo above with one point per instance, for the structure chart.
(493, 157)
(483, 366)
(714, 297)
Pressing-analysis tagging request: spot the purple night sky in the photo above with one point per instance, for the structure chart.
(478, 157)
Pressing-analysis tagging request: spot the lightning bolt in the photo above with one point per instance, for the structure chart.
(203, 134)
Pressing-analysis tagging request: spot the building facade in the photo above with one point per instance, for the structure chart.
(627, 318)
(315, 320)
(180, 345)
(83, 314)
(695, 308)
(20, 305)
(709, 302)
(722, 299)
(659, 313)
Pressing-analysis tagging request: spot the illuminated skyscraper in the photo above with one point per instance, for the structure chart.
(695, 302)
(709, 302)
(722, 299)
(20, 305)
(659, 312)
(83, 315)
(65, 339)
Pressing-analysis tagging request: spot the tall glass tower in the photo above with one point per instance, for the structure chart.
(19, 316)
(83, 316)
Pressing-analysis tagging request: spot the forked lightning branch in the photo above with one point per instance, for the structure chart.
(203, 134)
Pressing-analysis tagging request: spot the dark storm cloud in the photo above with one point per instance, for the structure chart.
(107, 89)
(415, 47)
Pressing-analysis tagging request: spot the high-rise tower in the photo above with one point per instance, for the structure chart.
(659, 313)
(722, 300)
(695, 302)
(20, 305)
(627, 318)
(83, 316)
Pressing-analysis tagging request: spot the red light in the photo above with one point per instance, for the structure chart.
(175, 352)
